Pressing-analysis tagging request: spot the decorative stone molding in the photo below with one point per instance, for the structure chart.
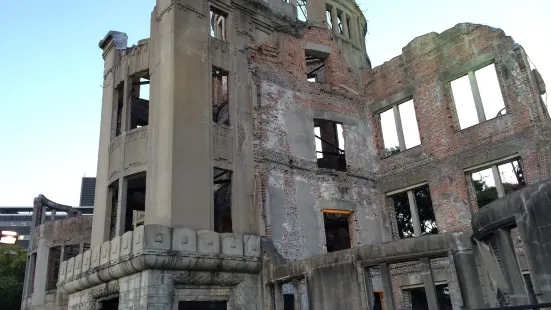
(206, 257)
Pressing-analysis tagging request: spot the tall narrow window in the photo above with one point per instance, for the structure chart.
(477, 96)
(135, 201)
(222, 201)
(302, 13)
(218, 24)
(497, 180)
(118, 111)
(329, 144)
(220, 98)
(328, 18)
(399, 128)
(54, 257)
(337, 229)
(414, 212)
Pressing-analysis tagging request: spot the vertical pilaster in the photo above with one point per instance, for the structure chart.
(510, 267)
(497, 181)
(399, 129)
(414, 214)
(477, 98)
(345, 25)
(101, 218)
(179, 181)
(428, 281)
(388, 294)
(334, 19)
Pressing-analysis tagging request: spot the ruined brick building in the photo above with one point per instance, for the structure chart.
(259, 173)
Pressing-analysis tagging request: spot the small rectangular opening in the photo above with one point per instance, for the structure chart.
(443, 295)
(329, 138)
(220, 98)
(288, 301)
(417, 298)
(218, 24)
(222, 201)
(109, 304)
(337, 230)
(70, 251)
(139, 111)
(54, 259)
(114, 197)
(315, 67)
(203, 305)
(378, 300)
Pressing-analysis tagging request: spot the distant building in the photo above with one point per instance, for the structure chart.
(87, 192)
(18, 219)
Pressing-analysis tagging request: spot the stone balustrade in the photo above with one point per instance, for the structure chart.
(160, 247)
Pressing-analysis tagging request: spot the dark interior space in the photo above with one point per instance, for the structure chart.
(337, 234)
(288, 302)
(110, 304)
(222, 201)
(329, 148)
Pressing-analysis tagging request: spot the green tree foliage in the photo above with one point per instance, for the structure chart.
(387, 152)
(486, 194)
(12, 274)
(424, 209)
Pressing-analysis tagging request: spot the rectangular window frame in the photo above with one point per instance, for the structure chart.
(349, 215)
(416, 223)
(494, 164)
(475, 91)
(395, 107)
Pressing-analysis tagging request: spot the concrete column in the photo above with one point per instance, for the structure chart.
(388, 293)
(399, 130)
(497, 181)
(179, 166)
(353, 27)
(468, 280)
(315, 10)
(334, 19)
(100, 225)
(52, 216)
(477, 98)
(345, 25)
(414, 214)
(121, 206)
(510, 267)
(428, 281)
(278, 293)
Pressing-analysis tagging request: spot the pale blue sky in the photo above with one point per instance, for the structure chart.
(52, 72)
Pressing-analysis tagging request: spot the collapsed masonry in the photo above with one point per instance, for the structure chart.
(262, 173)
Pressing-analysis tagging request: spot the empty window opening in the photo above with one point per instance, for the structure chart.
(414, 212)
(337, 230)
(118, 111)
(495, 181)
(302, 13)
(222, 201)
(30, 280)
(329, 145)
(328, 17)
(139, 111)
(399, 128)
(54, 259)
(417, 298)
(315, 67)
(135, 202)
(443, 296)
(348, 26)
(203, 305)
(477, 96)
(288, 292)
(109, 304)
(530, 288)
(339, 23)
(220, 98)
(218, 24)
